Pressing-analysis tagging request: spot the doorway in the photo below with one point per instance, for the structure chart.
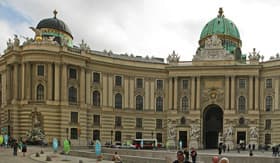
(183, 136)
(241, 139)
(212, 126)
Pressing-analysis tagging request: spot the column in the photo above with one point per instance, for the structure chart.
(15, 82)
(170, 96)
(49, 88)
(147, 94)
(227, 93)
(82, 85)
(126, 91)
(131, 92)
(232, 92)
(110, 91)
(152, 94)
(193, 93)
(175, 93)
(27, 77)
(4, 88)
(88, 93)
(56, 82)
(198, 94)
(257, 93)
(64, 80)
(276, 93)
(251, 92)
(23, 77)
(261, 103)
(105, 89)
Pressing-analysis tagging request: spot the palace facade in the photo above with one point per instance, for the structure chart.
(75, 92)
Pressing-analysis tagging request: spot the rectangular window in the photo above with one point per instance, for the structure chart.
(72, 73)
(118, 121)
(74, 117)
(138, 122)
(96, 120)
(268, 124)
(138, 135)
(118, 136)
(40, 70)
(268, 83)
(96, 77)
(118, 81)
(159, 123)
(74, 133)
(160, 84)
(267, 139)
(242, 83)
(185, 84)
(159, 137)
(139, 83)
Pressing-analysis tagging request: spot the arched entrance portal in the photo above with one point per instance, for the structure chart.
(212, 125)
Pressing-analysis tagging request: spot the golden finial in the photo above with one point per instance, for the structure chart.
(55, 13)
(221, 12)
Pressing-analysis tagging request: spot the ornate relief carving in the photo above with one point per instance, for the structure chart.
(213, 50)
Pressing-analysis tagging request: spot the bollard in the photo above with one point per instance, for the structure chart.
(37, 154)
(48, 158)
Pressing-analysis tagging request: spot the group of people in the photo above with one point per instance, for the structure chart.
(216, 159)
(19, 146)
(183, 156)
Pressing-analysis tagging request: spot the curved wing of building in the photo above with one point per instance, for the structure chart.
(65, 91)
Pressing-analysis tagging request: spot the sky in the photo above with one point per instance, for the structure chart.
(146, 27)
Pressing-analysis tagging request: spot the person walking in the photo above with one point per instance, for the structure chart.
(180, 158)
(186, 153)
(24, 148)
(15, 147)
(193, 155)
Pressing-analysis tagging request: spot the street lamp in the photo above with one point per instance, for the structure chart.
(111, 136)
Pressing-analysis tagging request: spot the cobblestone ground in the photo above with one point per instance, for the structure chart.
(6, 156)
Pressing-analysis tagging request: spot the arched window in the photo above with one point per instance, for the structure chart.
(159, 104)
(96, 98)
(118, 101)
(185, 104)
(268, 103)
(183, 121)
(139, 102)
(241, 104)
(72, 96)
(40, 92)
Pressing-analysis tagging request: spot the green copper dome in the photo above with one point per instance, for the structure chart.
(220, 26)
(225, 30)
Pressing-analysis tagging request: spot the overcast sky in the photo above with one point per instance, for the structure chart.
(146, 27)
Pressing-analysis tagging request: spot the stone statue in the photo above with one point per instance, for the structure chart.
(253, 132)
(194, 133)
(9, 43)
(16, 41)
(171, 130)
(38, 33)
(229, 132)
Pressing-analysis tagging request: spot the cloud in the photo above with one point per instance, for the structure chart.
(150, 27)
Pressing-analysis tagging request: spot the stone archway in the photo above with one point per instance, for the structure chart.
(212, 125)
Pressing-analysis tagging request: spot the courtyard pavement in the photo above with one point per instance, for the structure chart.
(6, 155)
